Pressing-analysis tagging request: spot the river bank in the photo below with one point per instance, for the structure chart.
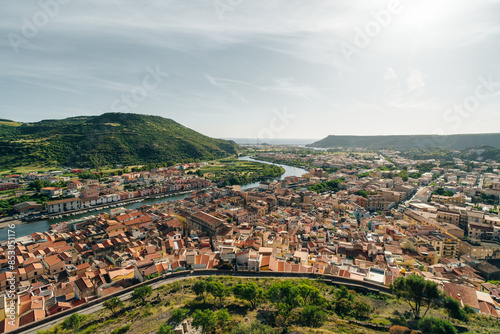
(26, 228)
(10, 222)
(273, 161)
(289, 170)
(123, 203)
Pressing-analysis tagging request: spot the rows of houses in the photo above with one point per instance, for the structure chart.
(280, 226)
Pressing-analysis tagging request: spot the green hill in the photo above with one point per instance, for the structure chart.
(406, 142)
(111, 138)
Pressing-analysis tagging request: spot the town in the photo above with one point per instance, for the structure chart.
(362, 216)
(84, 194)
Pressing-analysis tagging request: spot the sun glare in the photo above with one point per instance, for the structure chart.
(423, 13)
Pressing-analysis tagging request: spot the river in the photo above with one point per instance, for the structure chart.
(44, 225)
(289, 171)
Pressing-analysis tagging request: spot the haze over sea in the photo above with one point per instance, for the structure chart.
(272, 141)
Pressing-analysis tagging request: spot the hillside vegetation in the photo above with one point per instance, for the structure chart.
(111, 138)
(267, 306)
(407, 142)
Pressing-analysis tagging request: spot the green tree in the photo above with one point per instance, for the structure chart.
(285, 295)
(206, 320)
(113, 304)
(453, 309)
(310, 295)
(142, 293)
(430, 325)
(38, 184)
(362, 193)
(218, 290)
(179, 314)
(417, 292)
(199, 288)
(250, 292)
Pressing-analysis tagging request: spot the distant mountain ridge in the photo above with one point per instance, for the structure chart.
(111, 138)
(453, 142)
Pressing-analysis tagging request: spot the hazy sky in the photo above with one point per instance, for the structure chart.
(257, 68)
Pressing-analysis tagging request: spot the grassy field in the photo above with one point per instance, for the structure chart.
(137, 319)
(8, 123)
(31, 169)
(233, 171)
(25, 169)
(237, 165)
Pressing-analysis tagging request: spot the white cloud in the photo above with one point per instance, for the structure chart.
(265, 54)
(415, 80)
(389, 74)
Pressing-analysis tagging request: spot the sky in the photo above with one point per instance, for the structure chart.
(257, 68)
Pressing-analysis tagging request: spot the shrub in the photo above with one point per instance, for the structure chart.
(176, 286)
(343, 307)
(253, 328)
(121, 330)
(312, 316)
(454, 310)
(343, 293)
(280, 321)
(469, 310)
(147, 311)
(223, 319)
(179, 314)
(73, 322)
(165, 329)
(205, 319)
(431, 325)
(361, 310)
(352, 308)
(399, 330)
(209, 320)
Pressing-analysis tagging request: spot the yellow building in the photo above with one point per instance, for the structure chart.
(455, 199)
(405, 261)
